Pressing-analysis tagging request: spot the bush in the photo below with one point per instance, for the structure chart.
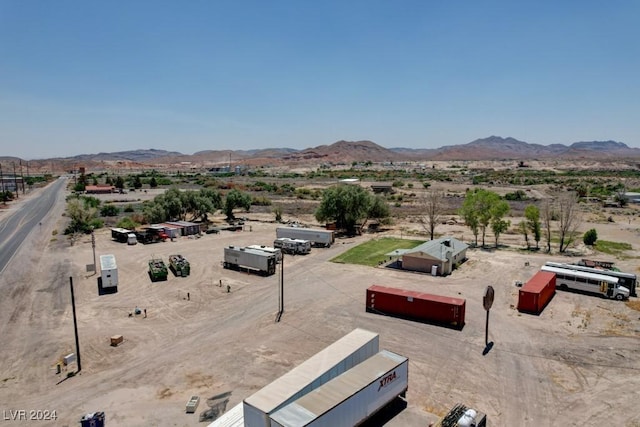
(590, 237)
(261, 201)
(109, 210)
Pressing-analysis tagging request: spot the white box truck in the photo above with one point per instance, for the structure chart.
(351, 398)
(108, 271)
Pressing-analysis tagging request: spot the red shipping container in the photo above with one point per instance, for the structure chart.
(537, 292)
(416, 305)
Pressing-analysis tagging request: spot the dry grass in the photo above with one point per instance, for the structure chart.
(634, 304)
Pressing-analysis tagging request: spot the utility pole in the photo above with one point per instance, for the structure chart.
(2, 179)
(281, 293)
(15, 179)
(75, 324)
(93, 246)
(21, 176)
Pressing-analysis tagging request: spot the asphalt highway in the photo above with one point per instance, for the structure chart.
(16, 225)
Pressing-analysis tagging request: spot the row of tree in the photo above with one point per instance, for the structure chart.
(483, 209)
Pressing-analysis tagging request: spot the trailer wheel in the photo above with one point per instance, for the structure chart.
(619, 297)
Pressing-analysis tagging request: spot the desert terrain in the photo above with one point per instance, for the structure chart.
(575, 364)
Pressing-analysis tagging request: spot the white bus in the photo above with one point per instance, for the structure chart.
(600, 284)
(628, 280)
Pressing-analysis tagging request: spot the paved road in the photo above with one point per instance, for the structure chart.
(16, 226)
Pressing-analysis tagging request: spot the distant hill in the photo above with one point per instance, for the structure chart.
(131, 155)
(499, 148)
(345, 152)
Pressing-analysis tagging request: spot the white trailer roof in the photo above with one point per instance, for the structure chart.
(234, 417)
(107, 262)
(321, 400)
(279, 391)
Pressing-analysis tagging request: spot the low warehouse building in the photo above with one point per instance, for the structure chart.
(186, 228)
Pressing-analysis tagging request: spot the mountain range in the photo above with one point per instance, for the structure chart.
(490, 148)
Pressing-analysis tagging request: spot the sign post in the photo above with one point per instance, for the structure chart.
(487, 301)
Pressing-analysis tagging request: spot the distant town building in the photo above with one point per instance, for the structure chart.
(382, 187)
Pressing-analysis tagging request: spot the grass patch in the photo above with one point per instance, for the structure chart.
(373, 252)
(612, 248)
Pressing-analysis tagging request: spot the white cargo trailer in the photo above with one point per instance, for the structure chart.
(347, 352)
(120, 234)
(316, 237)
(232, 418)
(351, 398)
(237, 258)
(293, 246)
(108, 271)
(267, 249)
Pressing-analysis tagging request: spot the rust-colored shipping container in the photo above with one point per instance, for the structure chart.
(537, 292)
(416, 305)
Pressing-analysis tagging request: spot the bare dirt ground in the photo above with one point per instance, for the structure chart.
(575, 364)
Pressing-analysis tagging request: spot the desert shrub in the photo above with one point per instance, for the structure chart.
(260, 201)
(109, 210)
(590, 237)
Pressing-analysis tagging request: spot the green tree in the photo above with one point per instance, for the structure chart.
(154, 212)
(346, 205)
(590, 237)
(477, 211)
(532, 215)
(137, 182)
(128, 223)
(499, 226)
(153, 183)
(379, 209)
(236, 199)
(119, 184)
(547, 214)
(499, 209)
(81, 216)
(109, 210)
(469, 214)
(277, 211)
(524, 229)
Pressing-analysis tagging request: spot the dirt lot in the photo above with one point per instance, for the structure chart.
(576, 364)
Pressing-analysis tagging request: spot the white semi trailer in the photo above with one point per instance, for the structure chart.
(236, 258)
(293, 246)
(267, 249)
(349, 351)
(108, 272)
(351, 398)
(316, 237)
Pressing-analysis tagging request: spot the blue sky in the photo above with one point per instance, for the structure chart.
(81, 77)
